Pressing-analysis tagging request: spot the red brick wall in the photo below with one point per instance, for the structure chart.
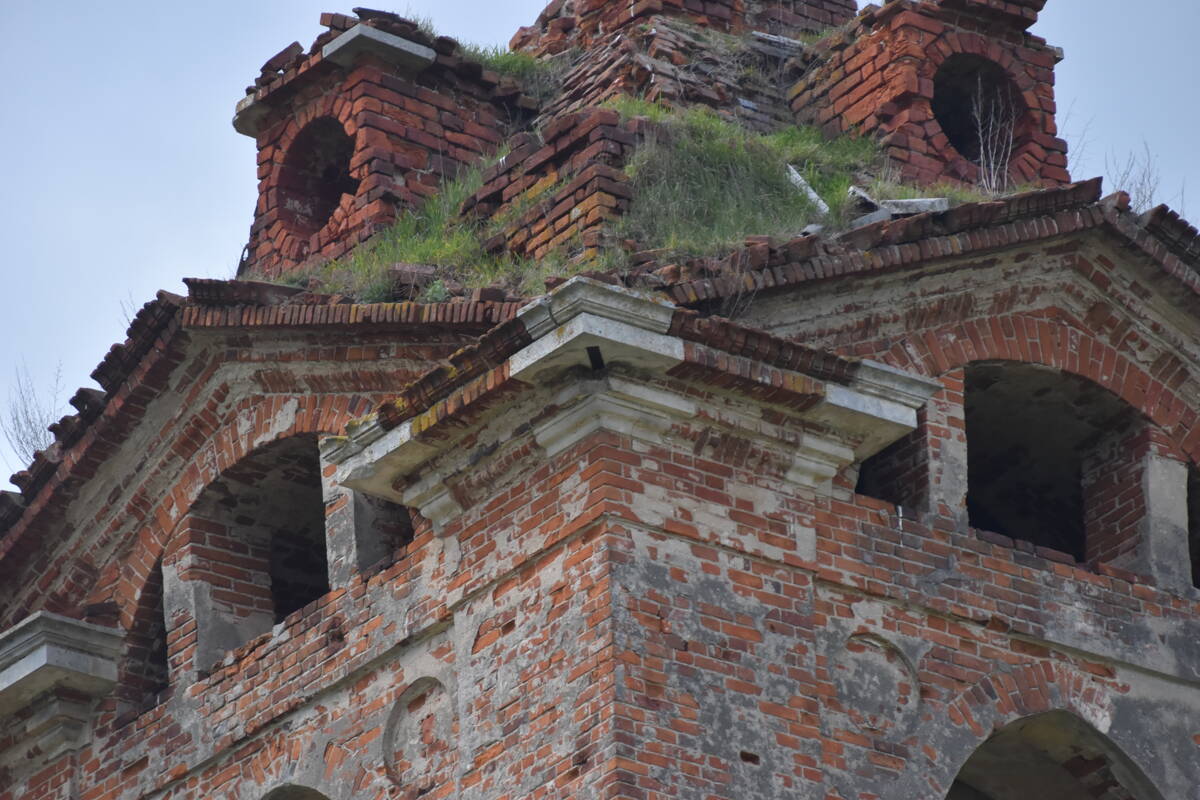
(562, 186)
(634, 619)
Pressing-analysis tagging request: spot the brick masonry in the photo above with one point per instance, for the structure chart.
(581, 23)
(883, 75)
(348, 141)
(680, 590)
(343, 148)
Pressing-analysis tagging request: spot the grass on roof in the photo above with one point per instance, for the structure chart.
(703, 183)
(540, 78)
(432, 234)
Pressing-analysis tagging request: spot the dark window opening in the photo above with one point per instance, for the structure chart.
(1050, 755)
(295, 793)
(381, 529)
(979, 107)
(1193, 510)
(146, 679)
(1032, 432)
(898, 474)
(269, 515)
(315, 174)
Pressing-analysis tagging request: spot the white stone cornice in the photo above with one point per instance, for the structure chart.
(616, 405)
(615, 342)
(46, 651)
(582, 295)
(879, 406)
(585, 325)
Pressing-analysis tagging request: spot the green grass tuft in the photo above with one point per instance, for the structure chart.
(540, 78)
(434, 234)
(702, 184)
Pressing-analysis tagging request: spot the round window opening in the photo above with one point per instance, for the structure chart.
(980, 109)
(315, 175)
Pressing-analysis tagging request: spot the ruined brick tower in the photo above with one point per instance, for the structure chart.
(892, 499)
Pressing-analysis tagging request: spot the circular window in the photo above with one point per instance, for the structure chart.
(315, 175)
(980, 109)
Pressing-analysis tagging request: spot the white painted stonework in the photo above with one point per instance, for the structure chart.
(628, 330)
(47, 650)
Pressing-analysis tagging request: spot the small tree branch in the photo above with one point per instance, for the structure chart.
(25, 420)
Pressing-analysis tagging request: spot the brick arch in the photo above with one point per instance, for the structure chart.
(954, 733)
(973, 44)
(1052, 342)
(142, 675)
(327, 106)
(253, 423)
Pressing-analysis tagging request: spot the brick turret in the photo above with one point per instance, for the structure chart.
(932, 78)
(372, 118)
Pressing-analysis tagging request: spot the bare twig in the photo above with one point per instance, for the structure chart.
(24, 421)
(995, 117)
(1080, 139)
(1137, 174)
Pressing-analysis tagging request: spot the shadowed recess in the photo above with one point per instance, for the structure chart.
(315, 175)
(1029, 431)
(1055, 755)
(972, 95)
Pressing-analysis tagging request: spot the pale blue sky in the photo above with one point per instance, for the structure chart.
(122, 174)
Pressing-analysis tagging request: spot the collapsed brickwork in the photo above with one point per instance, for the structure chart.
(581, 23)
(377, 114)
(923, 522)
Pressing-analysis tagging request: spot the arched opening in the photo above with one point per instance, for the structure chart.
(314, 175)
(145, 679)
(1054, 755)
(1046, 457)
(980, 108)
(253, 548)
(293, 792)
(270, 504)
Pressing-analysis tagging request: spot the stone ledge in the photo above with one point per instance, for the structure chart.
(585, 324)
(48, 651)
(345, 49)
